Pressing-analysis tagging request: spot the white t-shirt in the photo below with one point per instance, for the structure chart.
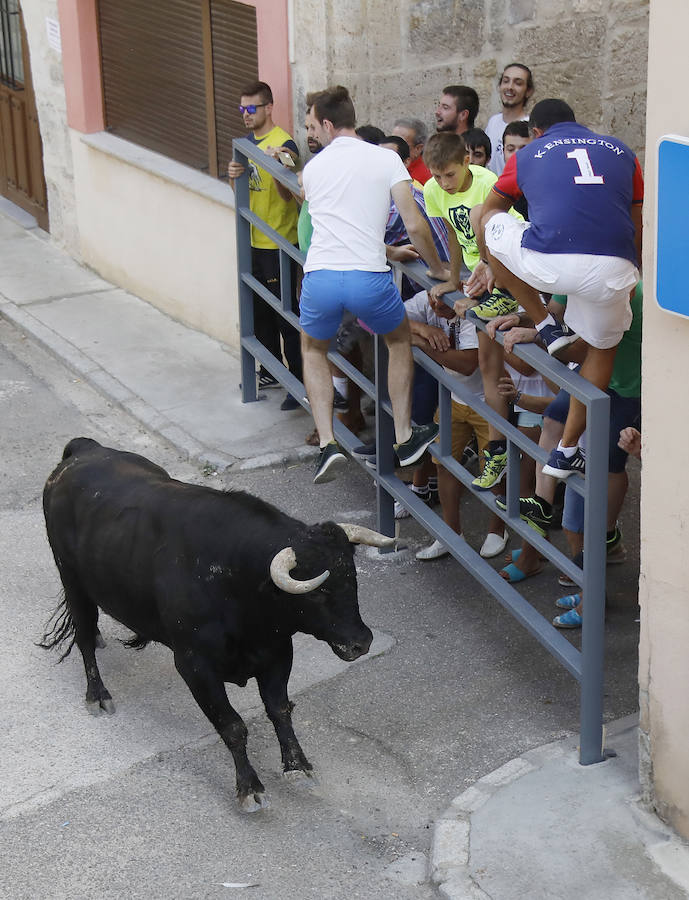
(533, 385)
(348, 187)
(419, 310)
(495, 129)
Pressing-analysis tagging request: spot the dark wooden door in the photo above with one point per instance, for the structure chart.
(21, 151)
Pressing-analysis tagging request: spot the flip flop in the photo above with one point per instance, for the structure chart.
(514, 575)
(515, 557)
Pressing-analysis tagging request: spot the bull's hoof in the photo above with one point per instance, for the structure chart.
(301, 778)
(253, 802)
(95, 707)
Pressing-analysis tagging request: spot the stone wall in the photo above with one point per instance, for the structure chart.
(46, 71)
(396, 57)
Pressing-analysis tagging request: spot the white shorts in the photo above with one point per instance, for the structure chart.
(597, 287)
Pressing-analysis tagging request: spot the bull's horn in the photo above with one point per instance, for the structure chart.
(357, 534)
(280, 566)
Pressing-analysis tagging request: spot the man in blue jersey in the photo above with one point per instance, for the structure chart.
(584, 193)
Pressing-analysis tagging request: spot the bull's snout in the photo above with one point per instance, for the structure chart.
(353, 649)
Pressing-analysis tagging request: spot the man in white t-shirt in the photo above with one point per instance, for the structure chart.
(514, 87)
(348, 187)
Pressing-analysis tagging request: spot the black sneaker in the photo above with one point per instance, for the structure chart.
(365, 452)
(470, 454)
(330, 461)
(289, 403)
(532, 512)
(556, 337)
(340, 403)
(413, 449)
(266, 380)
(615, 549)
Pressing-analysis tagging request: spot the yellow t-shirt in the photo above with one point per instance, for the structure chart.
(264, 199)
(455, 209)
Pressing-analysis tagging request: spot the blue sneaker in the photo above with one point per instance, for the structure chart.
(559, 466)
(556, 337)
(571, 619)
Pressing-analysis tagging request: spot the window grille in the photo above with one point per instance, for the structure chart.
(11, 61)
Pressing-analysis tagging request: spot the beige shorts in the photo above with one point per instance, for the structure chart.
(597, 287)
(465, 423)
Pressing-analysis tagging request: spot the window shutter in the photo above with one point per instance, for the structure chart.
(235, 63)
(153, 76)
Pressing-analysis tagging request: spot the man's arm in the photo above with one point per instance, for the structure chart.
(463, 361)
(417, 228)
(446, 287)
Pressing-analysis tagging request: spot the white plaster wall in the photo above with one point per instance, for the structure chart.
(664, 588)
(46, 70)
(163, 242)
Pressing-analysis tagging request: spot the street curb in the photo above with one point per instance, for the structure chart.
(450, 856)
(451, 841)
(153, 420)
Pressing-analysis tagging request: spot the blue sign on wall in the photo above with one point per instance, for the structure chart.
(672, 231)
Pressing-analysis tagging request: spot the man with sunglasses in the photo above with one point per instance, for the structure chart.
(281, 213)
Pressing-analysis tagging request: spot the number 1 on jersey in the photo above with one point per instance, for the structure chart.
(586, 175)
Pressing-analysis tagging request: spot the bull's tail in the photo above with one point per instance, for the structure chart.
(59, 628)
(76, 444)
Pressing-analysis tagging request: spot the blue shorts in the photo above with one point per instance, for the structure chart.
(424, 396)
(372, 296)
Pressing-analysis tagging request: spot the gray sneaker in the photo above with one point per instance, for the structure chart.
(412, 450)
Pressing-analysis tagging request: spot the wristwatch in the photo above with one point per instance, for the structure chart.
(517, 396)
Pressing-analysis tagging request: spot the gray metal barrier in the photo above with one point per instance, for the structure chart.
(586, 666)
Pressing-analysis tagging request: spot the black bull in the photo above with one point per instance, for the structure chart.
(221, 578)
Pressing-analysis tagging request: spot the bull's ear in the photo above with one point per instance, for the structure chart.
(357, 534)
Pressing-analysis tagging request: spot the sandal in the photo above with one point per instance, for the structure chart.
(571, 619)
(571, 601)
(514, 575)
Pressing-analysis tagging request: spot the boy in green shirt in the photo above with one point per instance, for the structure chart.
(455, 188)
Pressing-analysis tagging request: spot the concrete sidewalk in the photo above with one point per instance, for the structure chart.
(177, 382)
(541, 826)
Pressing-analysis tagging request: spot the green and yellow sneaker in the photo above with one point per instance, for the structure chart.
(499, 303)
(493, 471)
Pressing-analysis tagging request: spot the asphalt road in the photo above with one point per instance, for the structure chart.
(141, 804)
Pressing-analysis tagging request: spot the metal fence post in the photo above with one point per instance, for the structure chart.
(593, 627)
(385, 436)
(246, 297)
(585, 666)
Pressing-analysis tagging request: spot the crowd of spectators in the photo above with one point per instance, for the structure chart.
(535, 221)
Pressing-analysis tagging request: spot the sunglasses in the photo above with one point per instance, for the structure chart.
(251, 108)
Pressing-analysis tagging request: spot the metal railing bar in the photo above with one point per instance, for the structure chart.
(244, 147)
(281, 241)
(270, 299)
(587, 666)
(482, 571)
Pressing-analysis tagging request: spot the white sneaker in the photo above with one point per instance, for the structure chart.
(494, 545)
(433, 551)
(401, 512)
